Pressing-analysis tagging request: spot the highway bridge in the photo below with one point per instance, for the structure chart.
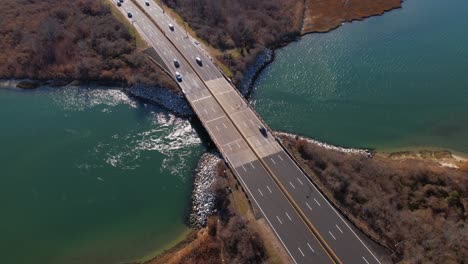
(309, 227)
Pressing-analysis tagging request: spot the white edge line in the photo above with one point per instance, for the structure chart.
(266, 217)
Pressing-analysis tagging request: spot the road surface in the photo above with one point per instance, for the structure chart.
(307, 225)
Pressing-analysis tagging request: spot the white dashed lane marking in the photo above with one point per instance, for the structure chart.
(300, 181)
(260, 192)
(365, 259)
(292, 185)
(269, 189)
(339, 229)
(288, 216)
(313, 251)
(301, 252)
(317, 202)
(279, 220)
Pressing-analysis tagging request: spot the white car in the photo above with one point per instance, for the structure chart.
(171, 27)
(178, 76)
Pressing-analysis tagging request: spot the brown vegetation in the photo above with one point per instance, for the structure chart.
(80, 39)
(325, 15)
(417, 207)
(242, 28)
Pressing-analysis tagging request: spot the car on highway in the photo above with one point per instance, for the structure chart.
(171, 27)
(176, 63)
(146, 2)
(178, 76)
(119, 3)
(199, 61)
(263, 131)
(129, 14)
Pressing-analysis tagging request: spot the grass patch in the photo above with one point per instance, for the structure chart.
(140, 43)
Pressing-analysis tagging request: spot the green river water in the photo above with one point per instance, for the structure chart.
(398, 81)
(91, 176)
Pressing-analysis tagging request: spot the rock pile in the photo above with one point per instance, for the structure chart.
(176, 103)
(203, 195)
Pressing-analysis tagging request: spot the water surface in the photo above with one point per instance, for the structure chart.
(391, 82)
(91, 176)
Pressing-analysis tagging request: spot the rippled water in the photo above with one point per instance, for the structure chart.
(390, 82)
(91, 176)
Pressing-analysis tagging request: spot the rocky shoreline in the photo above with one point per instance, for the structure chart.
(254, 70)
(202, 195)
(366, 152)
(166, 98)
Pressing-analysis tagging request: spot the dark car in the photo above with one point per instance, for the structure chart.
(176, 63)
(118, 3)
(263, 131)
(129, 15)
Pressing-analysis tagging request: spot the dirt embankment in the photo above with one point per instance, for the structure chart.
(417, 207)
(325, 15)
(72, 40)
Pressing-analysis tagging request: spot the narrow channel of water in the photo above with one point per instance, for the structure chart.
(391, 82)
(90, 176)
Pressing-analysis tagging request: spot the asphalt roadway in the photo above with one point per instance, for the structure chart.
(310, 229)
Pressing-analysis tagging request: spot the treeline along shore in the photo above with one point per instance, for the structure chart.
(72, 40)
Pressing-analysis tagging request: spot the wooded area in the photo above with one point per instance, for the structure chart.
(242, 28)
(49, 39)
(418, 206)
